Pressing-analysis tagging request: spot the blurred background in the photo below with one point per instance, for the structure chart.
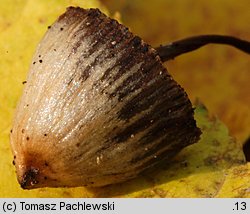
(217, 75)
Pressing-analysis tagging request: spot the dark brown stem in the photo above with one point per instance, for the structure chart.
(174, 49)
(246, 149)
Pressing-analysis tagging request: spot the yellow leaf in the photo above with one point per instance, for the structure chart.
(236, 184)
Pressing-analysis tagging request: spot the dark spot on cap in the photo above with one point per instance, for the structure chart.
(46, 164)
(49, 27)
(22, 130)
(11, 131)
(45, 178)
(45, 135)
(144, 49)
(61, 28)
(54, 49)
(39, 56)
(24, 82)
(27, 138)
(27, 105)
(136, 41)
(78, 144)
(14, 157)
(34, 63)
(40, 61)
(184, 164)
(13, 162)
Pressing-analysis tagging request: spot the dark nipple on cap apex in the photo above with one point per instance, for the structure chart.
(29, 178)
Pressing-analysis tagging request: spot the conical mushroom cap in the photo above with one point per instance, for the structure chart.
(98, 107)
